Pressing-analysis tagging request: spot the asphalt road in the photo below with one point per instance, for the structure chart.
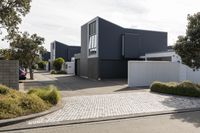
(170, 123)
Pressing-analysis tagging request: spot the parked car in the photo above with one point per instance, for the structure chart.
(22, 74)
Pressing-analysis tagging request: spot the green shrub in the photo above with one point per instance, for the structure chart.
(49, 94)
(58, 72)
(57, 63)
(53, 72)
(61, 72)
(15, 103)
(42, 65)
(185, 88)
(3, 89)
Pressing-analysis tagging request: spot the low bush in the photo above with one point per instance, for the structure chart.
(185, 88)
(14, 104)
(53, 72)
(58, 72)
(49, 94)
(61, 72)
(57, 63)
(42, 65)
(3, 89)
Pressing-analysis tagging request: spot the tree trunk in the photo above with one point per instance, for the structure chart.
(31, 73)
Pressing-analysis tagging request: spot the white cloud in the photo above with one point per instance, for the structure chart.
(61, 19)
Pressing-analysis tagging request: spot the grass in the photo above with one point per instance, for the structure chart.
(49, 94)
(14, 103)
(185, 88)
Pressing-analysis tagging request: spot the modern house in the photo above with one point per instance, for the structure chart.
(106, 48)
(59, 49)
(46, 56)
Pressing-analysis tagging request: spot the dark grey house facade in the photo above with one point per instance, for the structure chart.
(107, 47)
(46, 56)
(59, 49)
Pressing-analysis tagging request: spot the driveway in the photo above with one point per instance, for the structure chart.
(120, 112)
(117, 105)
(89, 100)
(77, 86)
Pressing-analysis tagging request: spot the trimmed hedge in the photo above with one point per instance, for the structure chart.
(185, 88)
(49, 94)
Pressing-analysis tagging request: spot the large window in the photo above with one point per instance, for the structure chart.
(92, 39)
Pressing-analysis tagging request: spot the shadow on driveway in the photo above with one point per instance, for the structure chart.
(190, 117)
(74, 85)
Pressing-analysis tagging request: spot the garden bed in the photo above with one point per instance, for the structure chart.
(15, 104)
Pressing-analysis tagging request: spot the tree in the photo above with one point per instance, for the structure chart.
(188, 46)
(8, 54)
(57, 63)
(27, 48)
(11, 12)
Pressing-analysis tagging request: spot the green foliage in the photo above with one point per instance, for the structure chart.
(57, 63)
(42, 65)
(58, 72)
(185, 88)
(26, 48)
(53, 72)
(14, 104)
(11, 12)
(188, 46)
(3, 89)
(49, 94)
(9, 54)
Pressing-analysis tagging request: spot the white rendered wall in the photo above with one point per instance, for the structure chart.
(70, 67)
(193, 76)
(143, 73)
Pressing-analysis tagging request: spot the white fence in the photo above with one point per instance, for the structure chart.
(143, 73)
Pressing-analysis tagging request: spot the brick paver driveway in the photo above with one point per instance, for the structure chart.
(119, 104)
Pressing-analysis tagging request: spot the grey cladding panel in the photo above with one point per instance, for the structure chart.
(93, 68)
(131, 45)
(110, 42)
(84, 59)
(113, 69)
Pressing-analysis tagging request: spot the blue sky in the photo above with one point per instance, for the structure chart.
(61, 19)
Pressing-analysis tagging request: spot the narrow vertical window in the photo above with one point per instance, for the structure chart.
(92, 47)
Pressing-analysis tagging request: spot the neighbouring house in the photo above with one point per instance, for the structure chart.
(46, 56)
(106, 48)
(59, 49)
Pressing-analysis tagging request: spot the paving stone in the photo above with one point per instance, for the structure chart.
(100, 106)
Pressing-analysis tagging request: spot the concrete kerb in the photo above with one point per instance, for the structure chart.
(88, 121)
(8, 122)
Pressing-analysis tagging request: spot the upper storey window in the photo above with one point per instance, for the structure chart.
(92, 39)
